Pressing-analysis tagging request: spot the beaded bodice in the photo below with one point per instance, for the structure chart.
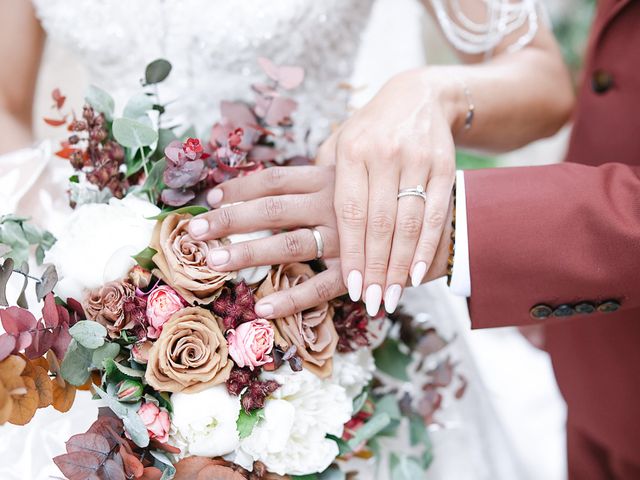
(213, 46)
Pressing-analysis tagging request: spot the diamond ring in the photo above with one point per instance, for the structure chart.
(413, 192)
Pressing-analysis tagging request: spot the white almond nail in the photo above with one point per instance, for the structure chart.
(418, 273)
(354, 285)
(373, 298)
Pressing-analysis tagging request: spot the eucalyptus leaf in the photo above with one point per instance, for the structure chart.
(343, 446)
(404, 467)
(145, 258)
(374, 425)
(168, 473)
(165, 137)
(360, 400)
(108, 351)
(157, 71)
(31, 233)
(138, 106)
(75, 366)
(39, 255)
(88, 333)
(154, 183)
(247, 421)
(133, 134)
(136, 429)
(391, 360)
(22, 298)
(191, 209)
(418, 432)
(12, 234)
(6, 270)
(101, 101)
(47, 282)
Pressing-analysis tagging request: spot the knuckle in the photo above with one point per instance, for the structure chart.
(391, 150)
(324, 290)
(352, 213)
(273, 208)
(292, 245)
(376, 267)
(427, 249)
(435, 219)
(225, 217)
(410, 226)
(381, 224)
(247, 254)
(399, 267)
(293, 303)
(274, 177)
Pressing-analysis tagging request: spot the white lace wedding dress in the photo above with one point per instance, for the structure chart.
(213, 46)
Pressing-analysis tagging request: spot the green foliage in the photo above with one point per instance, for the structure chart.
(157, 71)
(145, 258)
(138, 106)
(108, 351)
(133, 134)
(76, 364)
(101, 101)
(17, 235)
(405, 467)
(128, 413)
(247, 421)
(88, 333)
(191, 209)
(391, 360)
(154, 183)
(471, 161)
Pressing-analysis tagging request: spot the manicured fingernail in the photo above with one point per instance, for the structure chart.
(354, 285)
(218, 257)
(373, 297)
(417, 275)
(264, 309)
(198, 227)
(214, 197)
(392, 297)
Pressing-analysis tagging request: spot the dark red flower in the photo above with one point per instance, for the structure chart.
(239, 379)
(235, 305)
(351, 322)
(257, 393)
(192, 147)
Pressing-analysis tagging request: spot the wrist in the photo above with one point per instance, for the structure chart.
(449, 93)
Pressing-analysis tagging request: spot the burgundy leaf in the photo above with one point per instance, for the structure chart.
(175, 153)
(50, 311)
(280, 110)
(78, 465)
(186, 175)
(108, 427)
(60, 341)
(111, 470)
(76, 309)
(16, 320)
(58, 98)
(63, 315)
(23, 341)
(442, 375)
(88, 442)
(7, 345)
(177, 198)
(41, 342)
(430, 342)
(287, 76)
(132, 465)
(460, 391)
(49, 279)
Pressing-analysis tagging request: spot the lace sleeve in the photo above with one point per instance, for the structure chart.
(493, 22)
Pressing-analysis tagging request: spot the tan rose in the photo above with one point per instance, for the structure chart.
(191, 353)
(105, 305)
(312, 331)
(182, 261)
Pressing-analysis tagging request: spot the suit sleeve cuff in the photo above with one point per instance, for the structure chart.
(461, 276)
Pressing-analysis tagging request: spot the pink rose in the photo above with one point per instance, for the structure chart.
(251, 343)
(156, 420)
(162, 303)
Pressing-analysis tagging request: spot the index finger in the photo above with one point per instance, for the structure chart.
(268, 182)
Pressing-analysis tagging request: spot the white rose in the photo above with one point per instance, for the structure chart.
(97, 243)
(291, 439)
(204, 423)
(251, 275)
(353, 370)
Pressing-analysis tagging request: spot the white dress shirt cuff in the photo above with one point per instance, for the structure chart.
(461, 275)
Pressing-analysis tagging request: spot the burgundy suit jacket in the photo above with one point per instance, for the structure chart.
(566, 239)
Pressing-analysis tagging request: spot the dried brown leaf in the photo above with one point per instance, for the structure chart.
(188, 468)
(6, 404)
(151, 473)
(12, 366)
(63, 396)
(111, 470)
(89, 442)
(24, 405)
(44, 385)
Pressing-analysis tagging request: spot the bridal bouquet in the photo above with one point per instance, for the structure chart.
(193, 385)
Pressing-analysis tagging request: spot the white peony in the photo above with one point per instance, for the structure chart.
(97, 243)
(353, 370)
(291, 439)
(251, 275)
(204, 423)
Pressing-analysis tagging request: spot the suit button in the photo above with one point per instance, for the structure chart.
(601, 81)
(540, 312)
(563, 311)
(608, 306)
(584, 308)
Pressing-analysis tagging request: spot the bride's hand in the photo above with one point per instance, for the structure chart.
(294, 198)
(400, 139)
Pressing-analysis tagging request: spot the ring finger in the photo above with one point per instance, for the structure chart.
(405, 238)
(295, 246)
